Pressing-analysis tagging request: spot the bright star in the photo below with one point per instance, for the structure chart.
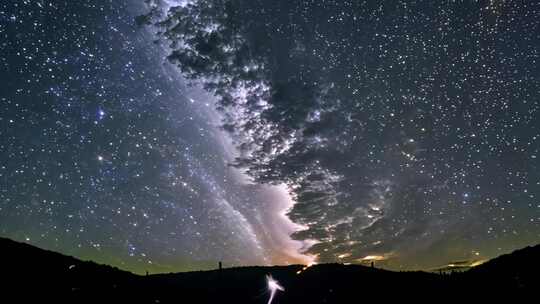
(101, 114)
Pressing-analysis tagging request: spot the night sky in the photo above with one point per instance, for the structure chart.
(169, 135)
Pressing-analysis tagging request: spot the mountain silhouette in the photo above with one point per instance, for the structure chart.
(33, 274)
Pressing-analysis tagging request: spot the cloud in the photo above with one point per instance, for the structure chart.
(344, 117)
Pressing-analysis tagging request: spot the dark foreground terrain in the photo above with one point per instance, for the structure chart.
(30, 274)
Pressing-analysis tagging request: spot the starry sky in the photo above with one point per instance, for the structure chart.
(167, 135)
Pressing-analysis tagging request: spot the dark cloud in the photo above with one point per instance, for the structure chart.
(393, 124)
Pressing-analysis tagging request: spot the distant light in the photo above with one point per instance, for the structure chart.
(304, 268)
(373, 258)
(100, 158)
(476, 263)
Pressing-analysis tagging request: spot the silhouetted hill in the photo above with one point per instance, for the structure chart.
(518, 270)
(32, 273)
(520, 260)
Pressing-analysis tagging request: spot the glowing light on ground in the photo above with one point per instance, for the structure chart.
(273, 287)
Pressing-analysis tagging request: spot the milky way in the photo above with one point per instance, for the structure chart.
(406, 131)
(169, 135)
(107, 155)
